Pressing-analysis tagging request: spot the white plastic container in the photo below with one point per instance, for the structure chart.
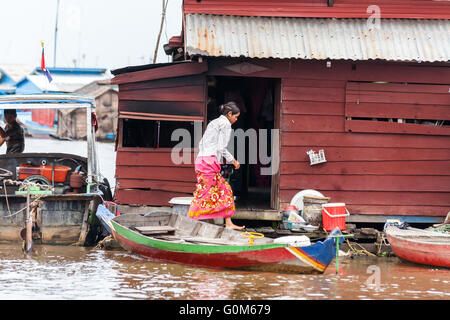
(294, 241)
(295, 217)
(181, 205)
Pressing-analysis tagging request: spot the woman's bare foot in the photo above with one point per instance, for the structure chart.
(235, 227)
(230, 225)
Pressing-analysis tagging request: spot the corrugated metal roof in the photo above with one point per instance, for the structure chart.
(62, 82)
(95, 89)
(316, 38)
(16, 71)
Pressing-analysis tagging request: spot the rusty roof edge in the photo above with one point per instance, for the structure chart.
(318, 38)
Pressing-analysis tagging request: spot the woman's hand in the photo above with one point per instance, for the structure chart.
(236, 164)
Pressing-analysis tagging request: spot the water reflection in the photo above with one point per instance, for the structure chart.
(69, 272)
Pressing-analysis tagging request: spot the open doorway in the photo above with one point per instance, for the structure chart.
(252, 143)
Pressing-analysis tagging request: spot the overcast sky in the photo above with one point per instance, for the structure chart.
(91, 33)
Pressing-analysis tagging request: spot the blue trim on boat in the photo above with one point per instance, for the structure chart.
(104, 215)
(325, 251)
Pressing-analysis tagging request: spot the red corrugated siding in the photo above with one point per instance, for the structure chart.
(409, 9)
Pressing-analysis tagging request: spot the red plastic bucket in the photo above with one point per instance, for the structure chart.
(333, 215)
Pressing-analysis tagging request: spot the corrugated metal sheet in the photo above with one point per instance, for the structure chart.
(60, 83)
(316, 38)
(16, 71)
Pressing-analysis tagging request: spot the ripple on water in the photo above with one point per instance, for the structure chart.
(56, 272)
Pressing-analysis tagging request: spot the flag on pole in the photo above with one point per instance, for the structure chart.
(43, 68)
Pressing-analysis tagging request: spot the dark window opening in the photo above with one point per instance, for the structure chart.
(429, 122)
(154, 133)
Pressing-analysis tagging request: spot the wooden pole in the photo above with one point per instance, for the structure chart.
(56, 35)
(29, 225)
(90, 167)
(337, 254)
(85, 225)
(164, 6)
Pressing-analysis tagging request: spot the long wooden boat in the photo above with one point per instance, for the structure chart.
(420, 246)
(175, 238)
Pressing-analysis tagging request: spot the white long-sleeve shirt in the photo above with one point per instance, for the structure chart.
(215, 139)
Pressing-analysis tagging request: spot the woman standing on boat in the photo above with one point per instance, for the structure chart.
(213, 197)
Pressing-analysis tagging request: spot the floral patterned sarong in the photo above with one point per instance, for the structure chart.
(213, 197)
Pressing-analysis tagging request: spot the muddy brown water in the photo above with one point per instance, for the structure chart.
(80, 273)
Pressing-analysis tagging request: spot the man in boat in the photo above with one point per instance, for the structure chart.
(13, 133)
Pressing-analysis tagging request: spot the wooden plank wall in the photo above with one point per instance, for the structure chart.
(174, 96)
(401, 104)
(146, 176)
(150, 177)
(372, 171)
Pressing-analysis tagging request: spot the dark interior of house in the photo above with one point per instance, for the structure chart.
(254, 97)
(154, 133)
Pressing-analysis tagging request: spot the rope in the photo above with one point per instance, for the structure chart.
(6, 197)
(444, 228)
(23, 184)
(32, 204)
(381, 240)
(363, 251)
(27, 184)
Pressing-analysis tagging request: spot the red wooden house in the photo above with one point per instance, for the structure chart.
(366, 81)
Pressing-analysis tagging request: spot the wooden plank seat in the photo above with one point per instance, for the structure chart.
(153, 230)
(213, 241)
(202, 240)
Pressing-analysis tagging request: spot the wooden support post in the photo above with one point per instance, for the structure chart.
(89, 148)
(337, 253)
(29, 225)
(85, 226)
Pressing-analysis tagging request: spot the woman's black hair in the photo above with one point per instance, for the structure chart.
(227, 107)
